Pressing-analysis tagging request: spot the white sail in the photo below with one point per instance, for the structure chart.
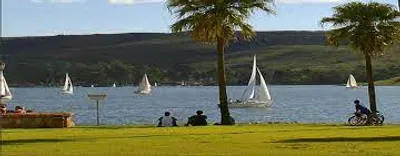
(263, 93)
(5, 92)
(251, 84)
(351, 82)
(252, 97)
(114, 85)
(155, 84)
(68, 87)
(144, 86)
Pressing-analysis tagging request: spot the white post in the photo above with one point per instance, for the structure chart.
(97, 97)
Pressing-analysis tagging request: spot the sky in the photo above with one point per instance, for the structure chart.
(73, 17)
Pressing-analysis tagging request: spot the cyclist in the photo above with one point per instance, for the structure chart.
(360, 109)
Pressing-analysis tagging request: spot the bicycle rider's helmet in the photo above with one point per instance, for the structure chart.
(357, 101)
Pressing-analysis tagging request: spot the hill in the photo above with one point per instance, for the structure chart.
(285, 57)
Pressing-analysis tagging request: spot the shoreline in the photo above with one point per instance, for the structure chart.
(43, 86)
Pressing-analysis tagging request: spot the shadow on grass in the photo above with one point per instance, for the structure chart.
(343, 139)
(113, 127)
(31, 141)
(77, 139)
(161, 135)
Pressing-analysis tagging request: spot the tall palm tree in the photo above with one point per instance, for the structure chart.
(369, 28)
(215, 21)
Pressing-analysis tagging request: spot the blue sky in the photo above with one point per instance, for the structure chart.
(54, 17)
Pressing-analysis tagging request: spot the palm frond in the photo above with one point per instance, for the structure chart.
(208, 20)
(368, 27)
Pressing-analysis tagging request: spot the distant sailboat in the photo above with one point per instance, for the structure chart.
(253, 97)
(92, 86)
(68, 87)
(114, 85)
(351, 82)
(155, 84)
(144, 86)
(5, 92)
(183, 83)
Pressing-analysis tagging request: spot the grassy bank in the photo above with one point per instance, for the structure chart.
(389, 82)
(395, 81)
(278, 139)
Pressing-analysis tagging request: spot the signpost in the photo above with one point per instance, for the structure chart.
(97, 97)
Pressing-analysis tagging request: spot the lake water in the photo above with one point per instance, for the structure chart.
(305, 104)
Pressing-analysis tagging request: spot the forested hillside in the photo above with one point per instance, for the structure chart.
(286, 57)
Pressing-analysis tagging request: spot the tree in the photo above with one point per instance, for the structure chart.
(367, 27)
(215, 21)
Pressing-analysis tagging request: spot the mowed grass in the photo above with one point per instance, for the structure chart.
(269, 139)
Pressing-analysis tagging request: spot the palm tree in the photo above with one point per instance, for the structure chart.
(369, 28)
(215, 21)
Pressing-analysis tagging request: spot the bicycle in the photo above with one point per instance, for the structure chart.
(364, 119)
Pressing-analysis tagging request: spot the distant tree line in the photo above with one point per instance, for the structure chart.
(105, 73)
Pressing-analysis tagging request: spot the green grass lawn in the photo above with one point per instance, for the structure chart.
(273, 139)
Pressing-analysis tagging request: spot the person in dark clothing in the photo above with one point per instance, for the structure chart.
(167, 120)
(197, 120)
(360, 109)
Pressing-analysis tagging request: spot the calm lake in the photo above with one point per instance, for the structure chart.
(305, 104)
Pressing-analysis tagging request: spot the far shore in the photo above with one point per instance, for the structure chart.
(161, 85)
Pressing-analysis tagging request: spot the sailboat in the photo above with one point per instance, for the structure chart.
(155, 84)
(144, 86)
(114, 85)
(351, 82)
(68, 87)
(254, 96)
(5, 92)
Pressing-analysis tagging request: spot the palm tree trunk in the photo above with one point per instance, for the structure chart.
(223, 99)
(371, 85)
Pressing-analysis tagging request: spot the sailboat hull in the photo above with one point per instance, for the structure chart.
(67, 92)
(142, 92)
(353, 87)
(250, 104)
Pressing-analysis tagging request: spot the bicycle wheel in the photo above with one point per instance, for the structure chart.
(377, 120)
(356, 121)
(382, 119)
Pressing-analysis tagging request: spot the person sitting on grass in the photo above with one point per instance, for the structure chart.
(167, 120)
(197, 120)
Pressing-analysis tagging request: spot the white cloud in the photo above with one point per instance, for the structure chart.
(309, 1)
(57, 1)
(129, 2)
